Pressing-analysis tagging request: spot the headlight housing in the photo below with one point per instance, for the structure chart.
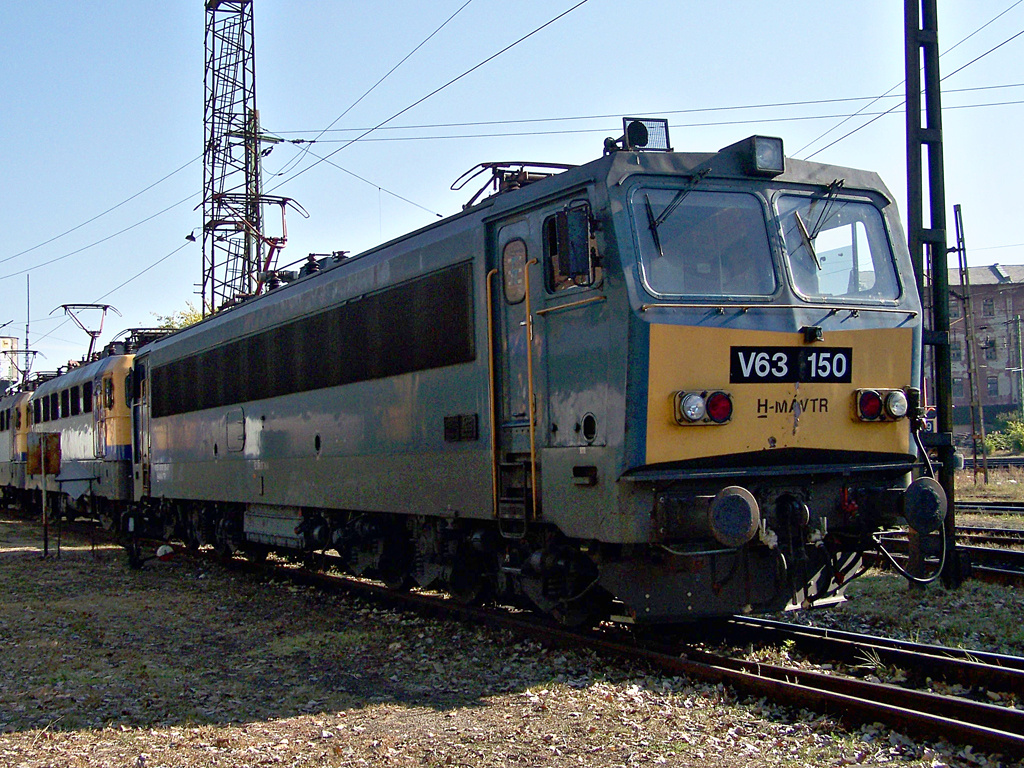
(706, 407)
(880, 404)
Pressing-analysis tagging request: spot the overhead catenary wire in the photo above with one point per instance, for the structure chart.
(606, 129)
(199, 157)
(104, 213)
(380, 188)
(437, 90)
(98, 242)
(384, 126)
(565, 118)
(368, 91)
(902, 82)
(137, 275)
(595, 131)
(897, 106)
(663, 112)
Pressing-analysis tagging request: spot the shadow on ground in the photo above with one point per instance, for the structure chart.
(86, 642)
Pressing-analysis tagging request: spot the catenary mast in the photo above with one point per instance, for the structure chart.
(235, 250)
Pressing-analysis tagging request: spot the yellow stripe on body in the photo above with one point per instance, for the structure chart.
(764, 417)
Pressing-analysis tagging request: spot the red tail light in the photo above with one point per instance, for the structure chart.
(869, 405)
(719, 407)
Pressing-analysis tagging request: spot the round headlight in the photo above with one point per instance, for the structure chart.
(719, 407)
(896, 404)
(692, 407)
(870, 405)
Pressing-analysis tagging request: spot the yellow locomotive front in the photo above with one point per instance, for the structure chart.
(776, 353)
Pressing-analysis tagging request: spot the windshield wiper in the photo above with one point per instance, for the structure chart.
(653, 224)
(679, 197)
(807, 238)
(830, 197)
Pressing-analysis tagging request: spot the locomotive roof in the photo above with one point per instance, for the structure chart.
(85, 372)
(613, 170)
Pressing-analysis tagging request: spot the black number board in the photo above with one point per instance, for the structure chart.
(750, 365)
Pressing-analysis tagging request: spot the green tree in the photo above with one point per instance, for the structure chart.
(183, 318)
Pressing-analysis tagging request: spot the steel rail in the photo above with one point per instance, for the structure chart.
(1009, 560)
(930, 715)
(992, 671)
(990, 507)
(988, 574)
(993, 540)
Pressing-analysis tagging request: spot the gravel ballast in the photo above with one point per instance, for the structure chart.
(189, 664)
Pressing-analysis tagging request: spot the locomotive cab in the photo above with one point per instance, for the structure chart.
(776, 336)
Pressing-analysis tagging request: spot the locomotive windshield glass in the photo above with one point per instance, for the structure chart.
(701, 243)
(837, 249)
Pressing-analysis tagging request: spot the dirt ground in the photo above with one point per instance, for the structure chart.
(188, 664)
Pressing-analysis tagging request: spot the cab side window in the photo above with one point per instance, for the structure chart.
(570, 250)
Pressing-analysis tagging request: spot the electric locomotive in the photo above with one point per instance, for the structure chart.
(13, 444)
(86, 407)
(661, 386)
(87, 471)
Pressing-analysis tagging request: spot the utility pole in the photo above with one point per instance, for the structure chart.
(922, 46)
(28, 320)
(235, 249)
(971, 350)
(1020, 373)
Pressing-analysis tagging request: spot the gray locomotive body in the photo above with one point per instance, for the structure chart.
(536, 398)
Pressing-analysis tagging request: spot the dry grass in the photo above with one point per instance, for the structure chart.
(188, 665)
(1004, 484)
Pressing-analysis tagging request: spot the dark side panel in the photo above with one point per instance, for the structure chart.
(421, 324)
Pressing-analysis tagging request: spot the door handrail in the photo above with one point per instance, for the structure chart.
(529, 388)
(490, 391)
(571, 305)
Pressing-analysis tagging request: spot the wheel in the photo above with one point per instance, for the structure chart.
(469, 584)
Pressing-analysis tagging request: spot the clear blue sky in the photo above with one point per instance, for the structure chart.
(101, 100)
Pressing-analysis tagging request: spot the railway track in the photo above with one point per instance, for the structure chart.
(994, 462)
(994, 564)
(927, 714)
(981, 670)
(990, 507)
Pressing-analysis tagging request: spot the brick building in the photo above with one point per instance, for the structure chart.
(997, 307)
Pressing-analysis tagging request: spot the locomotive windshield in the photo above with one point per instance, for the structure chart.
(837, 249)
(701, 243)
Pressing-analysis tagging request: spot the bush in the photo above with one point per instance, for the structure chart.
(1015, 436)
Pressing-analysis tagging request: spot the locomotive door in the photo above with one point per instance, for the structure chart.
(519, 284)
(140, 428)
(574, 322)
(100, 416)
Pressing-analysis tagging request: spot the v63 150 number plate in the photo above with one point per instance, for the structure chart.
(790, 364)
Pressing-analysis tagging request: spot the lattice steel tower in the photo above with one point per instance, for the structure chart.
(235, 250)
